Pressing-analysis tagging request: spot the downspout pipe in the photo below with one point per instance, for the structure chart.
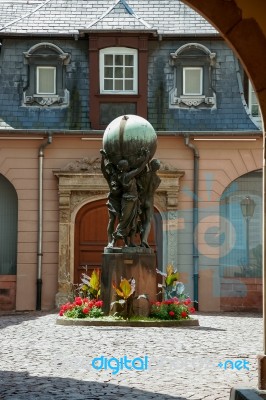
(40, 222)
(195, 220)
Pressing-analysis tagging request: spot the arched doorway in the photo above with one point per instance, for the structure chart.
(91, 237)
(8, 243)
(241, 259)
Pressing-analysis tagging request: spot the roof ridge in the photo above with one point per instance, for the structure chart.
(110, 9)
(26, 15)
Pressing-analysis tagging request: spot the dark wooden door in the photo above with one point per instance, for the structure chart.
(91, 237)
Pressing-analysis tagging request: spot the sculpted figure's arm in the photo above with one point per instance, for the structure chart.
(136, 171)
(103, 165)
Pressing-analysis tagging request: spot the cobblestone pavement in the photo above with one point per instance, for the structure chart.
(42, 360)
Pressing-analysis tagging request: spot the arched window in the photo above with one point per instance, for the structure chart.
(193, 65)
(46, 75)
(8, 227)
(241, 209)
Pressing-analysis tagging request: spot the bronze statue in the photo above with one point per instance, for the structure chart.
(110, 173)
(148, 182)
(127, 226)
(129, 143)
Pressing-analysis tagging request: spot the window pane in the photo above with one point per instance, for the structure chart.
(128, 72)
(118, 85)
(118, 59)
(129, 60)
(46, 80)
(108, 59)
(128, 85)
(118, 72)
(255, 110)
(108, 84)
(192, 81)
(253, 98)
(253, 106)
(108, 72)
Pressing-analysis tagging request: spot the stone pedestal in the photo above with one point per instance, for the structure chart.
(127, 263)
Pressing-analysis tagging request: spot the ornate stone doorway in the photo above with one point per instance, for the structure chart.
(82, 187)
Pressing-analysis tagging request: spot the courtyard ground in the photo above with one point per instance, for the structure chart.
(42, 360)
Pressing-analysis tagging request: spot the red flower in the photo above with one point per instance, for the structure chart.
(99, 303)
(78, 301)
(168, 301)
(171, 313)
(183, 314)
(192, 310)
(187, 302)
(61, 313)
(86, 310)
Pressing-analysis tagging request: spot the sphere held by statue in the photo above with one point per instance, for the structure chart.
(128, 137)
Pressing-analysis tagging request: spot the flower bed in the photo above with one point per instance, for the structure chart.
(86, 312)
(172, 309)
(82, 308)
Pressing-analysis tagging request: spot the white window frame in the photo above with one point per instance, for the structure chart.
(37, 80)
(185, 69)
(119, 51)
(257, 118)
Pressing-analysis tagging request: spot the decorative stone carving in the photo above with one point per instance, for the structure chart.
(85, 164)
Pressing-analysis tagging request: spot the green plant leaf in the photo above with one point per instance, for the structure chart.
(84, 287)
(172, 278)
(169, 269)
(126, 288)
(118, 291)
(95, 280)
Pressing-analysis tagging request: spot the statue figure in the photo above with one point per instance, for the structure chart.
(129, 143)
(148, 182)
(127, 226)
(110, 173)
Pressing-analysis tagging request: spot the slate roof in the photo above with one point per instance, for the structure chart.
(69, 17)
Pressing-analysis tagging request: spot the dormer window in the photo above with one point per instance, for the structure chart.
(254, 106)
(118, 70)
(46, 76)
(116, 86)
(193, 64)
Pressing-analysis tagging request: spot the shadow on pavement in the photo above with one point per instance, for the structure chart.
(206, 328)
(17, 317)
(22, 386)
